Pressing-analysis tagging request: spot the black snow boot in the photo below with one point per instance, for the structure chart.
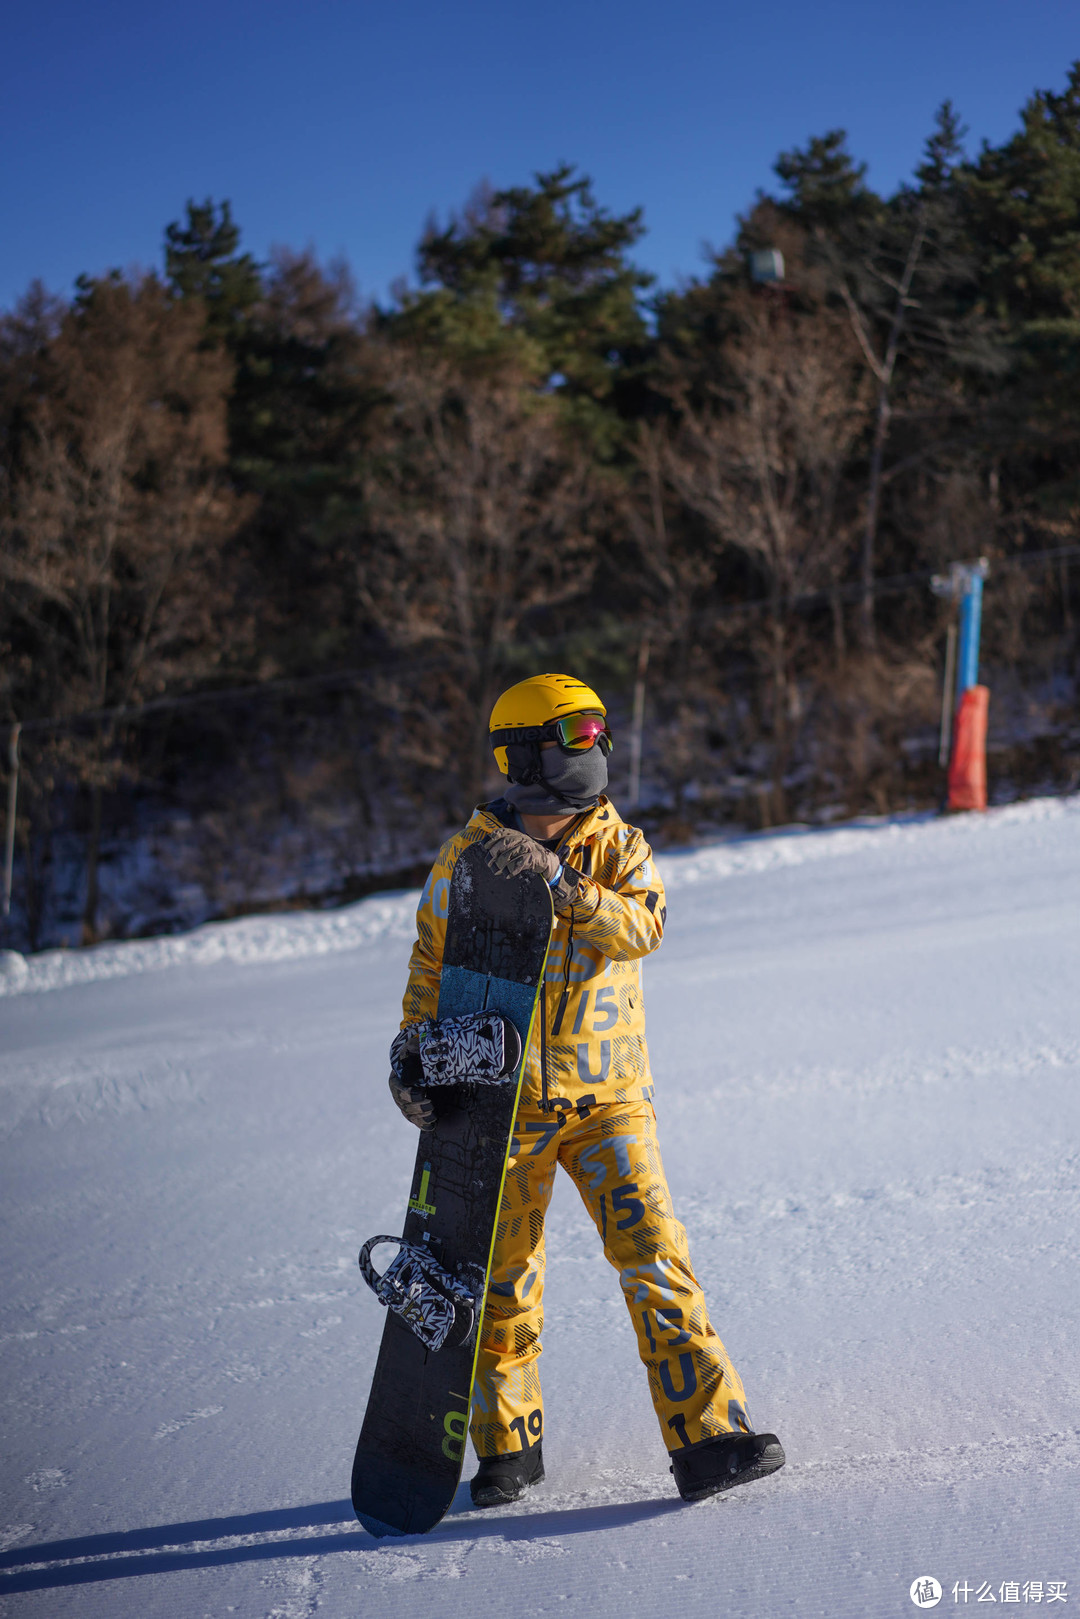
(719, 1464)
(500, 1479)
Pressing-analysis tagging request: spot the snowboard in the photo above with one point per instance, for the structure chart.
(412, 1443)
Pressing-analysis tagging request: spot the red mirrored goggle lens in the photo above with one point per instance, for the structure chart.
(580, 731)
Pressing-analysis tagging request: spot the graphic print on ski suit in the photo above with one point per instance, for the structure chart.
(586, 1102)
(590, 1040)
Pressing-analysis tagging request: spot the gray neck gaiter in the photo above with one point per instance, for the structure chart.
(571, 781)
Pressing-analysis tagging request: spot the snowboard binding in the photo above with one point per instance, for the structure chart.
(435, 1306)
(478, 1048)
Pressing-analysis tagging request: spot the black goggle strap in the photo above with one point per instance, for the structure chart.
(541, 733)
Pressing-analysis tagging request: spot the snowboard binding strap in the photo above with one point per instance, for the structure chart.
(433, 1304)
(478, 1048)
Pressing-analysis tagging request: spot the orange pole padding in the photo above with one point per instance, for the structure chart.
(967, 767)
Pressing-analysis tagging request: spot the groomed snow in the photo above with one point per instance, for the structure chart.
(291, 936)
(867, 1051)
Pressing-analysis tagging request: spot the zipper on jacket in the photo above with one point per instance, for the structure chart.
(544, 1107)
(565, 996)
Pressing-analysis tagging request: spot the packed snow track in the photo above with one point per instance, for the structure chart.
(867, 1052)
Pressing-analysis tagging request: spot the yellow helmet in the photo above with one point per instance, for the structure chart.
(536, 702)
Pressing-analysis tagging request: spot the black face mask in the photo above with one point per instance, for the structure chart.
(569, 781)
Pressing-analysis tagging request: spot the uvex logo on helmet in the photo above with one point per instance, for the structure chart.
(555, 707)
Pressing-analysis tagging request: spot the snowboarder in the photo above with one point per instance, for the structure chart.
(586, 1103)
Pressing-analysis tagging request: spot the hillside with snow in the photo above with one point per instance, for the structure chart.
(866, 1044)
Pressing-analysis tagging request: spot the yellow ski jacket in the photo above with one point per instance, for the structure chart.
(588, 1044)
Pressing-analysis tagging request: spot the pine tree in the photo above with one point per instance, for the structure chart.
(826, 188)
(1023, 200)
(202, 261)
(905, 272)
(540, 274)
(1022, 206)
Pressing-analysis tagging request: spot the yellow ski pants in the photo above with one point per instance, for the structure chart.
(613, 1159)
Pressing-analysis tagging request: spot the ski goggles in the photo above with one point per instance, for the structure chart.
(576, 733)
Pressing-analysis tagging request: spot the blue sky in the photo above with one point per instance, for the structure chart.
(341, 125)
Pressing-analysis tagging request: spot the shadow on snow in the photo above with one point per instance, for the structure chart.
(173, 1547)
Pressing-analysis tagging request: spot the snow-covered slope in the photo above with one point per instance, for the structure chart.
(867, 1049)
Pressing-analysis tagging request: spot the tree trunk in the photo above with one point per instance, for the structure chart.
(873, 504)
(32, 888)
(637, 724)
(839, 638)
(93, 847)
(781, 729)
(883, 369)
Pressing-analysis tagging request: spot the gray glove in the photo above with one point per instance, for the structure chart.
(405, 1079)
(512, 854)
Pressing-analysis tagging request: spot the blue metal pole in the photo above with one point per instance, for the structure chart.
(967, 664)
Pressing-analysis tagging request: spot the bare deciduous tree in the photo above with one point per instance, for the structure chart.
(760, 458)
(115, 516)
(478, 510)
